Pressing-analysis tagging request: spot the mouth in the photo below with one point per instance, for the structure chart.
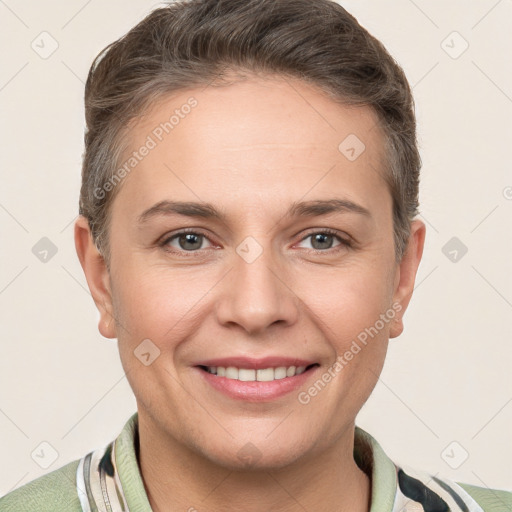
(256, 381)
(257, 375)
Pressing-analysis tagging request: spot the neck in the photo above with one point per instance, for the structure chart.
(177, 478)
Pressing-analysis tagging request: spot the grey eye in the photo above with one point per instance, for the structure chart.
(321, 240)
(187, 241)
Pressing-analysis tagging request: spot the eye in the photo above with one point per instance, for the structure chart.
(324, 240)
(189, 241)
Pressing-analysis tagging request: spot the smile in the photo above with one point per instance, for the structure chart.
(252, 375)
(256, 379)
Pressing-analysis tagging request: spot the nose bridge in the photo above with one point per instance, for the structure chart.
(255, 296)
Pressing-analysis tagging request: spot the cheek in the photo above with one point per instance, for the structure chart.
(349, 300)
(354, 312)
(158, 303)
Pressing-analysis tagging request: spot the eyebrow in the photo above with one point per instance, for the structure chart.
(297, 209)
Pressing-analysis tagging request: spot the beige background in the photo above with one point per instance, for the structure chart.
(447, 378)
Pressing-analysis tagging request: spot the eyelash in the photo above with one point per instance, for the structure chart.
(345, 243)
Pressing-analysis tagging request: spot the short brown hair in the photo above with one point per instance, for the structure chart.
(191, 43)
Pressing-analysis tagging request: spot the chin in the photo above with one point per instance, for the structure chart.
(255, 455)
(252, 460)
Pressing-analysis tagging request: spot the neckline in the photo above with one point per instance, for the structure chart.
(368, 454)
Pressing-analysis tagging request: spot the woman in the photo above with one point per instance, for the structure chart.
(248, 232)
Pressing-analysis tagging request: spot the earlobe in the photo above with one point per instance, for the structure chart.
(97, 275)
(406, 274)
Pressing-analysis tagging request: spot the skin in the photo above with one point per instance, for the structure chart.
(251, 149)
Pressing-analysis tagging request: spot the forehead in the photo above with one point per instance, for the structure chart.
(261, 135)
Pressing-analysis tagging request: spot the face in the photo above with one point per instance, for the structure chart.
(253, 280)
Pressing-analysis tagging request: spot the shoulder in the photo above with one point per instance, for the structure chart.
(53, 492)
(490, 500)
(409, 486)
(57, 491)
(441, 493)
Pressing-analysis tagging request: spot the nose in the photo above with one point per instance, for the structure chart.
(255, 296)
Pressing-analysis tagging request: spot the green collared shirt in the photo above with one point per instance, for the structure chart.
(109, 480)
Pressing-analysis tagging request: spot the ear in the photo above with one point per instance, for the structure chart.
(406, 275)
(97, 275)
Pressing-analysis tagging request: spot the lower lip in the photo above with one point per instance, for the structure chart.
(256, 391)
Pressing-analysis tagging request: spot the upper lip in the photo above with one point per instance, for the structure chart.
(256, 363)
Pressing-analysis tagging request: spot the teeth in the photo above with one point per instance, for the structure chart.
(246, 375)
(290, 372)
(265, 375)
(280, 373)
(231, 372)
(261, 375)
